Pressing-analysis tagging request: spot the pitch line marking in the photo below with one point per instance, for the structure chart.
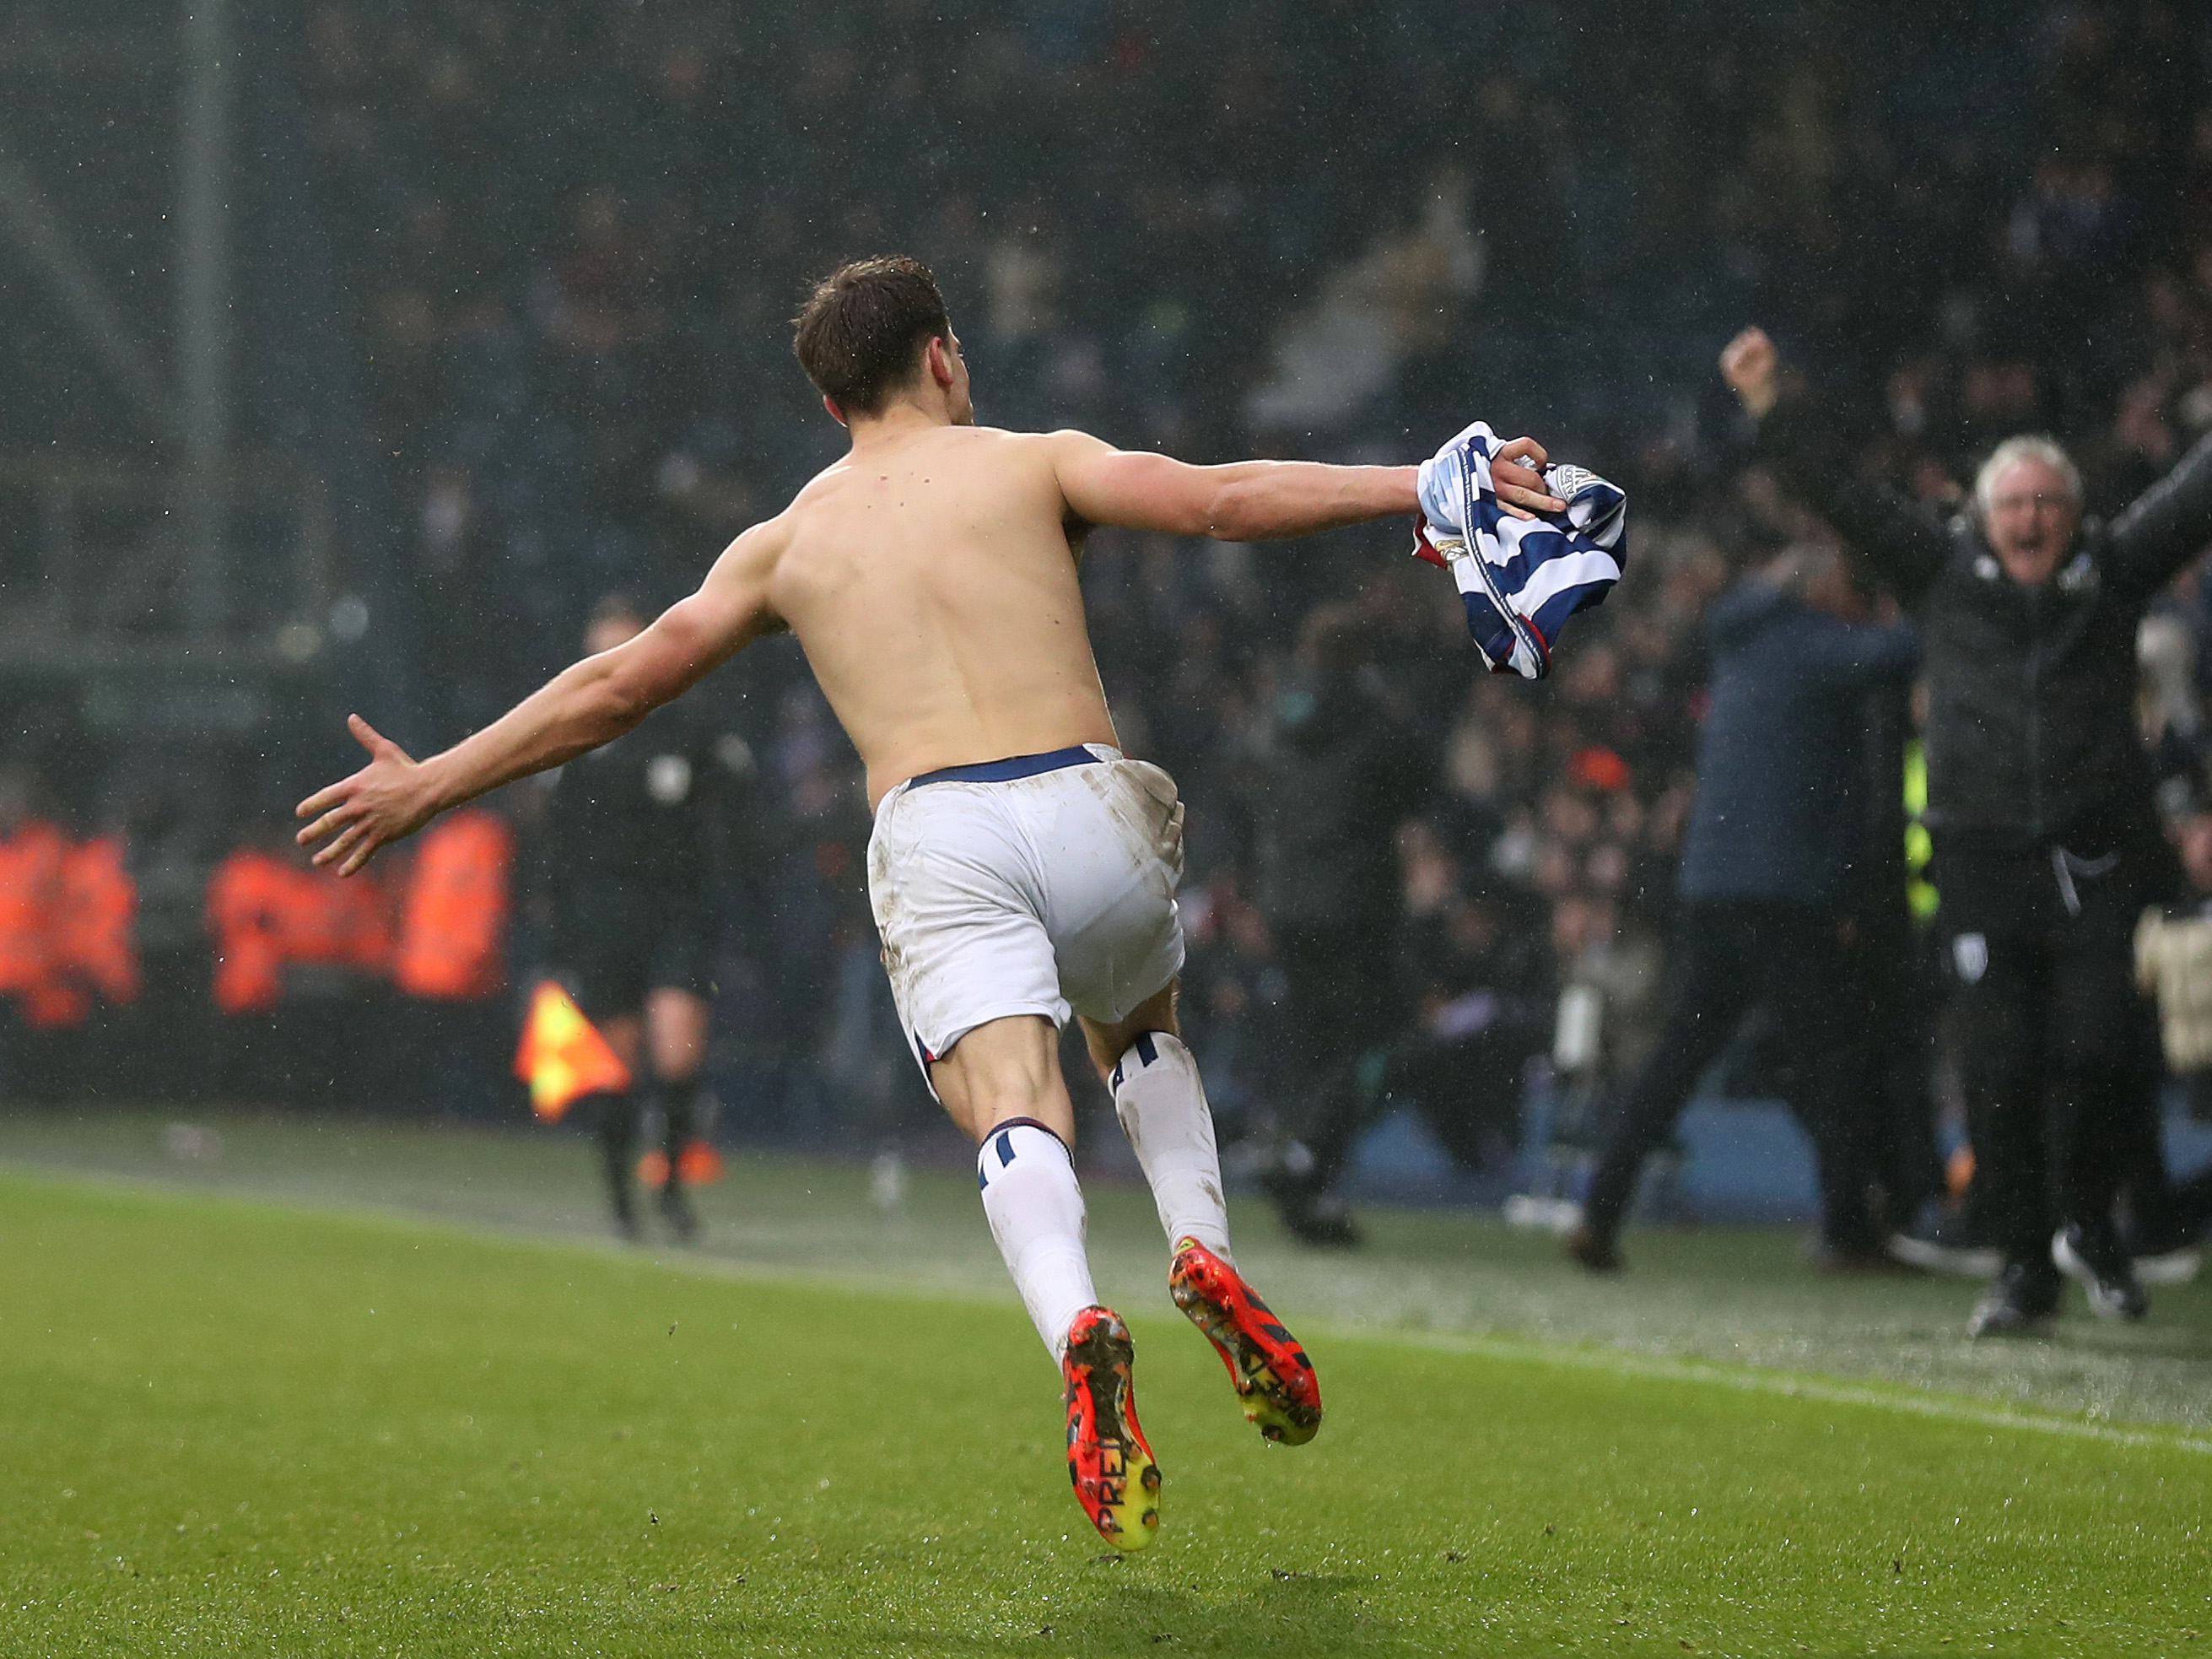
(1788, 1385)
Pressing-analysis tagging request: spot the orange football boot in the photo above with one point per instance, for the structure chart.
(1109, 1463)
(1274, 1380)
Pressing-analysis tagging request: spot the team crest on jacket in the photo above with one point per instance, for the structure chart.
(1970, 955)
(2079, 575)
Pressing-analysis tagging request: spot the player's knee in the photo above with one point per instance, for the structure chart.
(980, 1098)
(1110, 1045)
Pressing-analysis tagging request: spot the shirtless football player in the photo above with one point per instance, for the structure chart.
(1022, 868)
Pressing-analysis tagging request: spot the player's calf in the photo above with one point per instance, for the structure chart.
(1160, 1101)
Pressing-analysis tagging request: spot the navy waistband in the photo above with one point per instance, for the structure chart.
(1005, 771)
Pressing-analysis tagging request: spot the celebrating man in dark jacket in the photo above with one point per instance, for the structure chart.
(1772, 836)
(2046, 846)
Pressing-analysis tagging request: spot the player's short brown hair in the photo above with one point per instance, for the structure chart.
(861, 334)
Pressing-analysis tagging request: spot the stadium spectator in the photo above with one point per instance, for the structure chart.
(2040, 802)
(2173, 963)
(2173, 960)
(1612, 973)
(297, 954)
(1473, 985)
(33, 851)
(1760, 922)
(32, 856)
(1232, 996)
(450, 957)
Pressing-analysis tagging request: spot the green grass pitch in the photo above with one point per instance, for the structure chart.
(229, 1426)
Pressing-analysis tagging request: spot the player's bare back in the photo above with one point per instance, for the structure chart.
(931, 579)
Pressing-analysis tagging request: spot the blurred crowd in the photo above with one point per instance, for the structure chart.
(574, 230)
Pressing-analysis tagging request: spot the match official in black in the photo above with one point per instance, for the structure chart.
(2047, 847)
(1343, 771)
(633, 827)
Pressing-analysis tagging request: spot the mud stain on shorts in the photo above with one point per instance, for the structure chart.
(886, 900)
(1147, 813)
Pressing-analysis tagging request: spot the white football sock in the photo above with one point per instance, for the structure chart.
(1036, 1210)
(1161, 1101)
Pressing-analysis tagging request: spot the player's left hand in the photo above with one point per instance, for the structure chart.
(387, 801)
(1521, 488)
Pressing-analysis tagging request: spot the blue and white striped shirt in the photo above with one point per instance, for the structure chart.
(1520, 579)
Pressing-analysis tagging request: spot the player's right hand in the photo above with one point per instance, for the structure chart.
(1521, 488)
(385, 801)
(1751, 366)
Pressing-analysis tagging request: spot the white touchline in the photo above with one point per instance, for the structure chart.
(1950, 1408)
(1657, 1368)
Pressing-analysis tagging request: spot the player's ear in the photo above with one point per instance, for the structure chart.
(938, 356)
(835, 413)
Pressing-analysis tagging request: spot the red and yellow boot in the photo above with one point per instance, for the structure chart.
(1274, 1380)
(1109, 1463)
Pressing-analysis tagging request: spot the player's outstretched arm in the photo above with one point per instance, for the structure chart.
(586, 704)
(1257, 501)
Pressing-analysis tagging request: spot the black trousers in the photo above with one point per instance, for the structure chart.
(2051, 1034)
(1896, 1042)
(1730, 958)
(1467, 1090)
(1340, 986)
(620, 941)
(620, 1120)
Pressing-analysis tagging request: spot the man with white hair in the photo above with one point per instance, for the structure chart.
(2040, 802)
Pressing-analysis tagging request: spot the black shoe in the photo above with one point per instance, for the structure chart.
(1322, 1220)
(1857, 1262)
(1310, 1217)
(2094, 1257)
(676, 1210)
(2024, 1296)
(1949, 1246)
(2171, 1253)
(1597, 1252)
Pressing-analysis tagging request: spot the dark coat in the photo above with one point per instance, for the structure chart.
(1781, 809)
(2030, 727)
(1343, 774)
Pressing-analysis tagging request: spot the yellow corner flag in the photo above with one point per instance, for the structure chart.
(563, 1057)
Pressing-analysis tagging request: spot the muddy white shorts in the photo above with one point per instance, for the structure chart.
(1041, 884)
